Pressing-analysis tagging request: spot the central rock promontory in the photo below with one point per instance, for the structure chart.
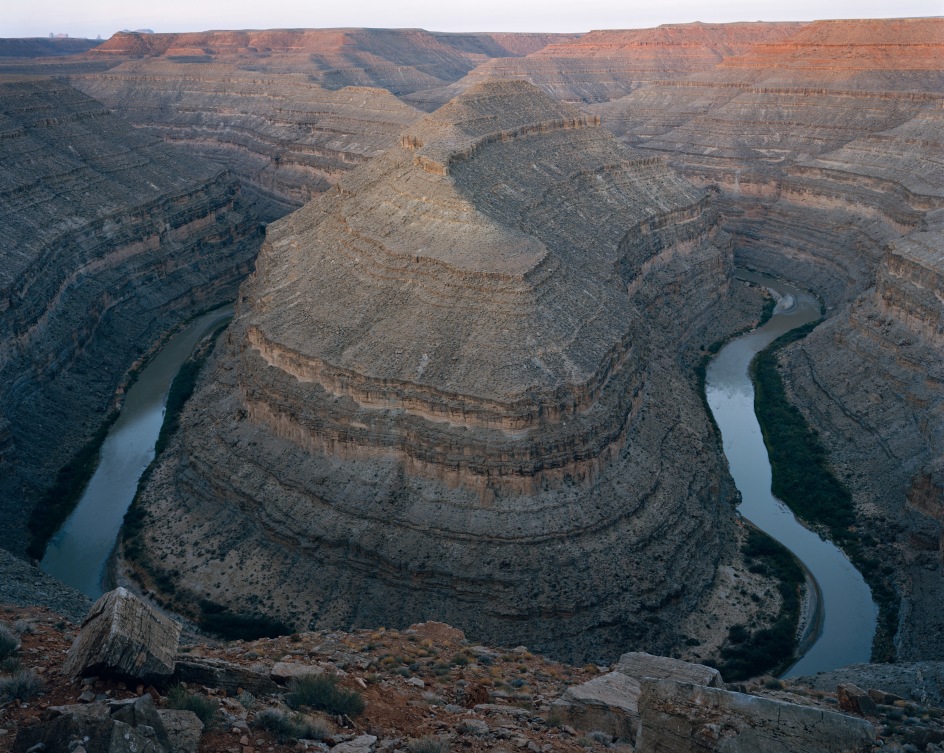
(454, 390)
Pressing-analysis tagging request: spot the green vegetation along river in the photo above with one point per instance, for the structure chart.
(844, 625)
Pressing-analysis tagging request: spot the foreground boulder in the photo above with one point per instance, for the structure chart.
(679, 717)
(610, 702)
(125, 727)
(122, 636)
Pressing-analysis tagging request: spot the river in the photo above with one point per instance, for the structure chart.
(845, 624)
(77, 554)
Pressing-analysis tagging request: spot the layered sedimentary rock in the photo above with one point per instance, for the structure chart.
(453, 391)
(283, 136)
(607, 64)
(110, 239)
(827, 149)
(400, 60)
(287, 111)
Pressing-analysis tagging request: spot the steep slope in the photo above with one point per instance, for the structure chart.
(284, 137)
(110, 239)
(828, 152)
(443, 397)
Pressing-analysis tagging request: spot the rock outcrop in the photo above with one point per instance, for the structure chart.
(610, 702)
(111, 238)
(680, 717)
(603, 65)
(122, 636)
(826, 146)
(436, 367)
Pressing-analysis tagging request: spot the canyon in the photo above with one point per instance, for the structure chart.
(460, 382)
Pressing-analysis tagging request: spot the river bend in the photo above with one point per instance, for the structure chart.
(847, 617)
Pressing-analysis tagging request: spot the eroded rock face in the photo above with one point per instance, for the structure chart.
(444, 398)
(284, 137)
(110, 239)
(837, 184)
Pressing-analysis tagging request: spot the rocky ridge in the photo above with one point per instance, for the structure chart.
(607, 64)
(111, 239)
(427, 685)
(423, 393)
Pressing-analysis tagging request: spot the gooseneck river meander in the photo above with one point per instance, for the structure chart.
(846, 618)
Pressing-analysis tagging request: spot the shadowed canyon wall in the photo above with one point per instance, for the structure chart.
(828, 152)
(817, 152)
(111, 238)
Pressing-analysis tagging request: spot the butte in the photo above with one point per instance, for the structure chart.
(458, 387)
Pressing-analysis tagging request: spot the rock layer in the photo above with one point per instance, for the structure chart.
(443, 398)
(286, 138)
(826, 147)
(110, 239)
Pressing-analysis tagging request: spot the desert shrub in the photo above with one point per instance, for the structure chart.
(321, 692)
(428, 745)
(21, 686)
(9, 643)
(203, 707)
(287, 727)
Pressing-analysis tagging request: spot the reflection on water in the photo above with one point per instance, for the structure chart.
(77, 553)
(849, 618)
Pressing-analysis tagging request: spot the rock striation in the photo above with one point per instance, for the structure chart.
(122, 636)
(826, 148)
(608, 64)
(284, 137)
(453, 390)
(111, 238)
(685, 718)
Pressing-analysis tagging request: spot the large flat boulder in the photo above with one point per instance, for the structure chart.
(216, 673)
(610, 702)
(125, 637)
(679, 717)
(638, 664)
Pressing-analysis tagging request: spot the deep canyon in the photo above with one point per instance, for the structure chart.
(461, 380)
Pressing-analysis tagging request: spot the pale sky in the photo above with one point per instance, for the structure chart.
(89, 18)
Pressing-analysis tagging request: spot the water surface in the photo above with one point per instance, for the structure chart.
(79, 550)
(848, 616)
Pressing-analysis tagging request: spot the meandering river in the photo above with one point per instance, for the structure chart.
(77, 554)
(845, 624)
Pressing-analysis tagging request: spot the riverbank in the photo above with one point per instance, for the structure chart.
(847, 617)
(803, 478)
(77, 553)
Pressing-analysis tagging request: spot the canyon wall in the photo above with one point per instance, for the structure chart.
(827, 149)
(111, 238)
(443, 396)
(284, 137)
